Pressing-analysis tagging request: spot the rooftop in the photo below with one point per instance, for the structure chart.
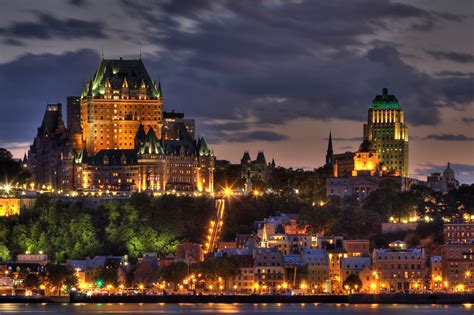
(385, 101)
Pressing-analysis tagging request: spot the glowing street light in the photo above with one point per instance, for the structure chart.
(227, 191)
(7, 187)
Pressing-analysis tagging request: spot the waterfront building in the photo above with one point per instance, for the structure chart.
(356, 248)
(354, 266)
(268, 269)
(189, 252)
(458, 256)
(400, 269)
(316, 262)
(436, 274)
(146, 273)
(245, 282)
(387, 130)
(40, 258)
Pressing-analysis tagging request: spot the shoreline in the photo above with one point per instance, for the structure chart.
(441, 299)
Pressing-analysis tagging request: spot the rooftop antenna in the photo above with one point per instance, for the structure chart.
(102, 53)
(140, 52)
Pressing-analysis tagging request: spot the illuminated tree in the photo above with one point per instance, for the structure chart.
(60, 277)
(352, 283)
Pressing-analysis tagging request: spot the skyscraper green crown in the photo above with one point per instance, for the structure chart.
(385, 101)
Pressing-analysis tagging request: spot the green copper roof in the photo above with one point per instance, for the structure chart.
(151, 144)
(202, 148)
(116, 71)
(385, 101)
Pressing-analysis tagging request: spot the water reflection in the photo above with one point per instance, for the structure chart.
(214, 308)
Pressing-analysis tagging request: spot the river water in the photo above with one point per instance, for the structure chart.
(261, 309)
(200, 309)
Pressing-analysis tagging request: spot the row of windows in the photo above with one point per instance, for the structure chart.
(400, 266)
(135, 106)
(115, 117)
(399, 257)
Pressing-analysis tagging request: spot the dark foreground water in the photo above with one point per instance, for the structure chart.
(195, 309)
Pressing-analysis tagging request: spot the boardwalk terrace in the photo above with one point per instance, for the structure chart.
(118, 144)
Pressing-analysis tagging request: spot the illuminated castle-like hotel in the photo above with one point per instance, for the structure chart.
(118, 138)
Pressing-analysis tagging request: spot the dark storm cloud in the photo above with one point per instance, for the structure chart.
(78, 3)
(12, 42)
(451, 56)
(277, 61)
(35, 80)
(248, 136)
(266, 62)
(345, 138)
(447, 73)
(468, 120)
(48, 27)
(223, 127)
(448, 137)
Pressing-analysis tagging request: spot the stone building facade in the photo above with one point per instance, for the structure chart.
(114, 142)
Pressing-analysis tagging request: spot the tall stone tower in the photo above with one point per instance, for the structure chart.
(387, 130)
(119, 97)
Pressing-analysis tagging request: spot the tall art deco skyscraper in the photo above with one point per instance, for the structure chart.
(387, 130)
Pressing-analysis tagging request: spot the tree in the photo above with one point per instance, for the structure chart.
(106, 276)
(4, 253)
(11, 171)
(174, 273)
(32, 281)
(60, 277)
(352, 283)
(215, 267)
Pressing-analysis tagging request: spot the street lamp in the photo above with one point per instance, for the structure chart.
(7, 187)
(227, 191)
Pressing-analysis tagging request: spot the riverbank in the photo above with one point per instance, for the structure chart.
(243, 299)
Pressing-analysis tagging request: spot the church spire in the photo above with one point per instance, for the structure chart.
(330, 153)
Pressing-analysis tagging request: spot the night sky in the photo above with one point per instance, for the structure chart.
(272, 75)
